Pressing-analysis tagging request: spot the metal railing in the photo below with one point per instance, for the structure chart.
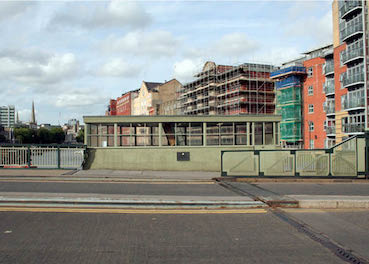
(329, 67)
(351, 54)
(353, 78)
(348, 6)
(347, 159)
(42, 156)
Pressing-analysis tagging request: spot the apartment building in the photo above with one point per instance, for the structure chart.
(7, 116)
(350, 20)
(229, 90)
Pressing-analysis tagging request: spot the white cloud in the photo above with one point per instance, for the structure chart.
(80, 98)
(116, 14)
(38, 67)
(184, 70)
(318, 29)
(119, 68)
(154, 44)
(24, 114)
(9, 9)
(235, 44)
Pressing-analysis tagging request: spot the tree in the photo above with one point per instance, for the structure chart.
(81, 136)
(25, 135)
(2, 138)
(57, 135)
(44, 136)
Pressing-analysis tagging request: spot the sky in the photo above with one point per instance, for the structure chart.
(71, 57)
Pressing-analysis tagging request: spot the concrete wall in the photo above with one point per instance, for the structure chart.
(163, 158)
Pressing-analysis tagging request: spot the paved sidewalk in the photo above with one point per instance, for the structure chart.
(307, 195)
(124, 201)
(33, 172)
(166, 175)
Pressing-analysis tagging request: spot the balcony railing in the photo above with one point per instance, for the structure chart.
(329, 87)
(354, 102)
(352, 29)
(351, 79)
(349, 6)
(353, 128)
(348, 55)
(330, 109)
(330, 130)
(329, 68)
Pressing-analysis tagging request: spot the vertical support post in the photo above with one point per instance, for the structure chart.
(204, 133)
(160, 134)
(87, 128)
(248, 133)
(115, 135)
(58, 156)
(253, 134)
(29, 156)
(366, 154)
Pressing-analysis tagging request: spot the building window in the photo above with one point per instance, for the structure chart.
(309, 71)
(311, 143)
(311, 126)
(310, 90)
(311, 108)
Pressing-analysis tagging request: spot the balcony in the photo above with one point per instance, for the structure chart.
(352, 55)
(354, 103)
(350, 80)
(330, 130)
(328, 68)
(352, 29)
(350, 7)
(329, 87)
(330, 109)
(353, 128)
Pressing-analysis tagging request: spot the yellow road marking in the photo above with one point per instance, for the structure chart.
(315, 210)
(125, 182)
(131, 211)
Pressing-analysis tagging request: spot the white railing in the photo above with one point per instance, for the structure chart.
(51, 157)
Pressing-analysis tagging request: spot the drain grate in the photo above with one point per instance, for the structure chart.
(342, 253)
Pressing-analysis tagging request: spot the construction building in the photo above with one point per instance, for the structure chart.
(229, 90)
(289, 84)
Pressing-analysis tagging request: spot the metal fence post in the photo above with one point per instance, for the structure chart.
(58, 156)
(29, 156)
(366, 154)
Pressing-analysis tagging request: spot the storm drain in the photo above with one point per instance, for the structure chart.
(344, 254)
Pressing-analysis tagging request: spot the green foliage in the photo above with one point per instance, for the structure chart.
(81, 136)
(55, 135)
(25, 135)
(2, 139)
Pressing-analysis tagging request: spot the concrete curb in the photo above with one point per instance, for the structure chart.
(331, 202)
(288, 180)
(127, 202)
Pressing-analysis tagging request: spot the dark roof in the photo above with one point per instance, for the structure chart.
(151, 85)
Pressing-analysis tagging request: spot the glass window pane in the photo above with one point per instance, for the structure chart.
(240, 128)
(93, 129)
(195, 140)
(226, 128)
(195, 128)
(125, 129)
(212, 128)
(258, 133)
(126, 141)
(241, 139)
(103, 141)
(93, 141)
(212, 140)
(227, 139)
(269, 133)
(103, 130)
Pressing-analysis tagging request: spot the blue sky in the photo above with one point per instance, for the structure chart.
(71, 57)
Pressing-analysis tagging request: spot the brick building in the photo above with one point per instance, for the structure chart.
(125, 103)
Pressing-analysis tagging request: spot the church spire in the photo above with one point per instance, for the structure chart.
(33, 115)
(17, 121)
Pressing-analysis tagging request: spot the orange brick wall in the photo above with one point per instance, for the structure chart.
(317, 99)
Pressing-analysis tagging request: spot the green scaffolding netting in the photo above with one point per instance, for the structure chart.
(290, 112)
(289, 95)
(291, 131)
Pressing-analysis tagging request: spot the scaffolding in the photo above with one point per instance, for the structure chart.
(229, 90)
(289, 88)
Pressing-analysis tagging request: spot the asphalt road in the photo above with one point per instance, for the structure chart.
(352, 189)
(348, 228)
(117, 188)
(153, 238)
